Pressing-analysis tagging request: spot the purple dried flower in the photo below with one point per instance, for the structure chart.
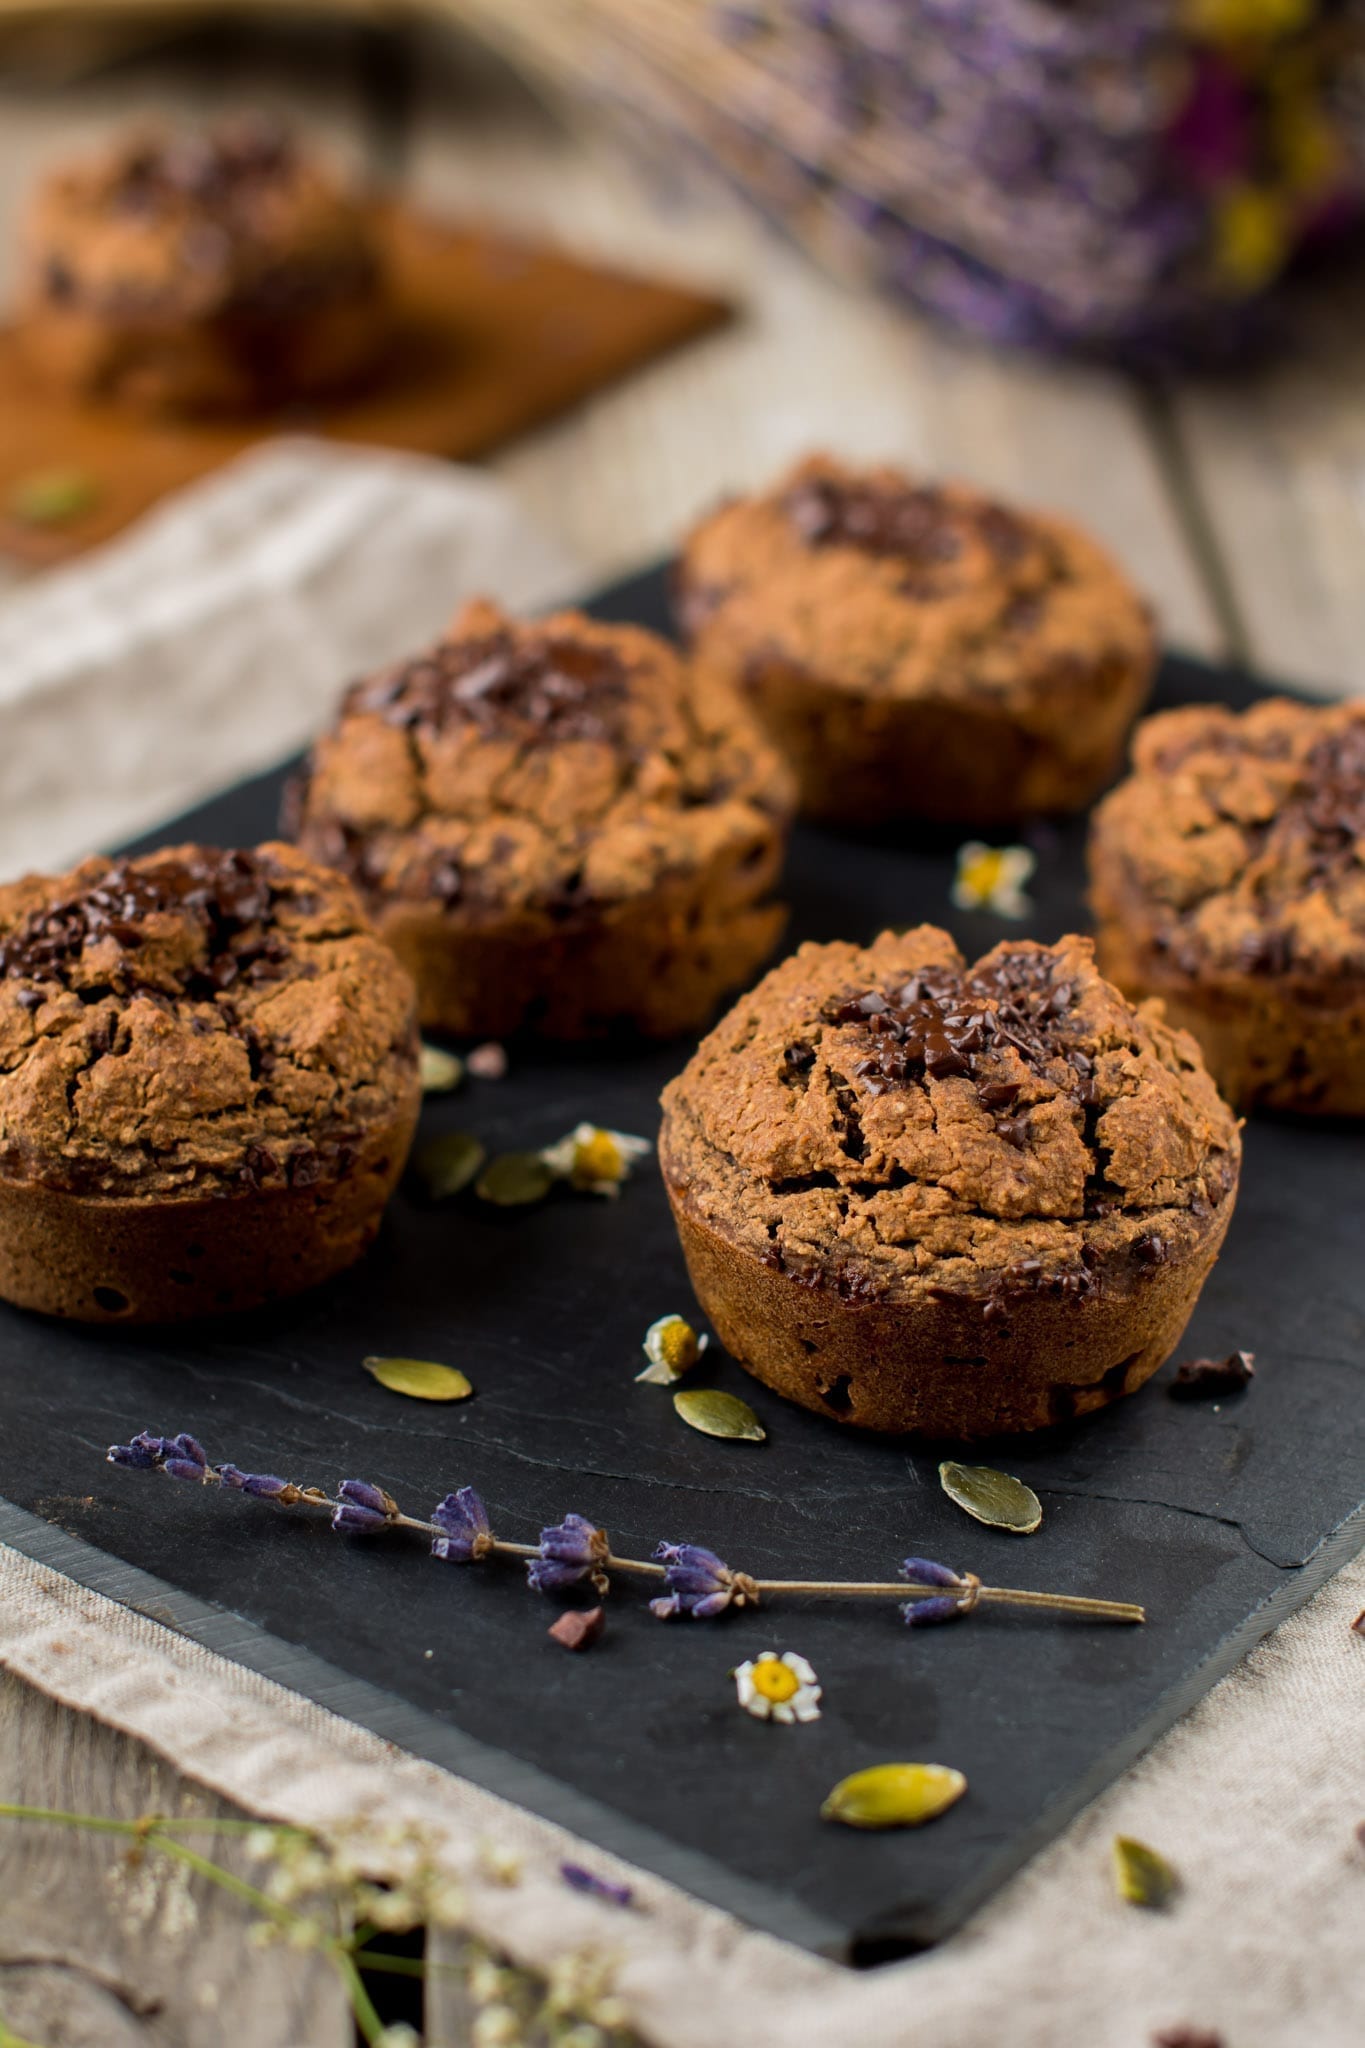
(263, 1485)
(463, 1521)
(183, 1456)
(922, 1571)
(363, 1508)
(699, 1583)
(575, 1549)
(923, 1613)
(583, 1880)
(143, 1454)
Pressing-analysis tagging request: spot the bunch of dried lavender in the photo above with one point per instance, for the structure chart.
(576, 1551)
(1126, 177)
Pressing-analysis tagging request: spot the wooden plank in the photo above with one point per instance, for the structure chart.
(1278, 460)
(102, 1950)
(813, 363)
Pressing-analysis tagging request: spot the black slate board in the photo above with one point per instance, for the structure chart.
(1221, 1519)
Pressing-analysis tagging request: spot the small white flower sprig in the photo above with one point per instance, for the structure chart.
(694, 1580)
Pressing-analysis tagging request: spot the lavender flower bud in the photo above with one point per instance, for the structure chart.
(699, 1584)
(263, 1485)
(463, 1521)
(573, 1550)
(363, 1508)
(921, 1571)
(182, 1456)
(582, 1880)
(923, 1613)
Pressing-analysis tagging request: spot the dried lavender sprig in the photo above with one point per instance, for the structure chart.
(696, 1580)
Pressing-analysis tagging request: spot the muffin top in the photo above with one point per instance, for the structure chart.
(195, 1021)
(544, 768)
(886, 1121)
(1243, 837)
(235, 218)
(885, 587)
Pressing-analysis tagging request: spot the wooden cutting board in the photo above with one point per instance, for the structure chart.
(495, 336)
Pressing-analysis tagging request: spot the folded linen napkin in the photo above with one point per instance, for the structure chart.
(214, 638)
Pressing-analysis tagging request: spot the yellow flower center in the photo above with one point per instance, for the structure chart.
(984, 873)
(677, 1342)
(598, 1158)
(775, 1681)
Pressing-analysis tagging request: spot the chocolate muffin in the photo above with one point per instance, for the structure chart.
(1228, 878)
(555, 826)
(919, 651)
(208, 1083)
(917, 1195)
(222, 270)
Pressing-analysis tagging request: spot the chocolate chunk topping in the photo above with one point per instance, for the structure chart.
(915, 525)
(228, 895)
(225, 166)
(549, 687)
(1203, 1379)
(945, 1024)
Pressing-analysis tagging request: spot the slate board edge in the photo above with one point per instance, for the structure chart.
(244, 1642)
(381, 1713)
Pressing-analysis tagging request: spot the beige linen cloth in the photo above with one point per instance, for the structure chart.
(204, 646)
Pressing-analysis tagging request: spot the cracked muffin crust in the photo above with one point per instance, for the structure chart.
(208, 1083)
(1228, 878)
(917, 1195)
(919, 650)
(212, 271)
(556, 826)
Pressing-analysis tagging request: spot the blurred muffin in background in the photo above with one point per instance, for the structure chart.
(225, 270)
(917, 650)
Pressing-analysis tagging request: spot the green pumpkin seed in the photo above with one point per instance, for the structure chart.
(449, 1163)
(718, 1414)
(1143, 1877)
(422, 1379)
(441, 1070)
(514, 1178)
(992, 1497)
(894, 1795)
(49, 497)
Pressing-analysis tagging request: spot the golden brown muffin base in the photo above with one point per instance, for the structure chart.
(938, 1368)
(658, 964)
(224, 365)
(867, 760)
(117, 1259)
(1270, 1042)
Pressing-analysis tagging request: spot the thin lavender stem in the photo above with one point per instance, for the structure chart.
(1001, 1596)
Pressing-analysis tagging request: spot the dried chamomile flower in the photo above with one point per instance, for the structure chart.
(672, 1347)
(441, 1071)
(774, 1688)
(594, 1160)
(992, 878)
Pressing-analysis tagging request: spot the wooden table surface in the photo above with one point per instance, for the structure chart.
(1239, 506)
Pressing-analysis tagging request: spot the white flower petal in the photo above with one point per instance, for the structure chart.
(797, 1663)
(757, 1706)
(782, 1711)
(806, 1706)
